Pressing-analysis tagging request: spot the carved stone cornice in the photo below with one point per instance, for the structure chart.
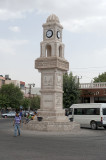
(51, 62)
(45, 91)
(53, 24)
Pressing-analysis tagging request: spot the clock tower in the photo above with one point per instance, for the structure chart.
(52, 65)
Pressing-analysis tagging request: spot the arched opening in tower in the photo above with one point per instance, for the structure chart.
(60, 51)
(48, 51)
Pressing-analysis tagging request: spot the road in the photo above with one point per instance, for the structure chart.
(84, 144)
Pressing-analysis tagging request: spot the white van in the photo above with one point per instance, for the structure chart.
(89, 114)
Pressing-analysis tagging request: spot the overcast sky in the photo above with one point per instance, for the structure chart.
(84, 36)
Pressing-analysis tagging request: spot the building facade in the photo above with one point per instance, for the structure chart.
(93, 92)
(7, 80)
(2, 80)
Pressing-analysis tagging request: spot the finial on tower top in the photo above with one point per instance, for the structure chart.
(53, 18)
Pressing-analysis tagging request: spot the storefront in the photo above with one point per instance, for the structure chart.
(93, 93)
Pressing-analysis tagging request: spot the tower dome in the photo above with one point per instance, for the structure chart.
(52, 18)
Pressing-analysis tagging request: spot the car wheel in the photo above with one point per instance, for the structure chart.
(104, 127)
(93, 125)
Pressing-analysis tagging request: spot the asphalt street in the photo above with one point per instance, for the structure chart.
(81, 144)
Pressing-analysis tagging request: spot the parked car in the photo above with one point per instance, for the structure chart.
(9, 114)
(31, 113)
(25, 113)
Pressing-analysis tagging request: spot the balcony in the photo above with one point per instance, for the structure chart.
(92, 85)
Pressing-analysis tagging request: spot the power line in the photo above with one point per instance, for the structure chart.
(89, 67)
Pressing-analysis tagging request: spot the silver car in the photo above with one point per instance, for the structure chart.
(9, 114)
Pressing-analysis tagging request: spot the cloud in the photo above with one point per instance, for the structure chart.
(75, 15)
(92, 65)
(100, 54)
(15, 9)
(7, 14)
(9, 47)
(14, 28)
(88, 24)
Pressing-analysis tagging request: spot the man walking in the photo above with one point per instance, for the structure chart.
(16, 124)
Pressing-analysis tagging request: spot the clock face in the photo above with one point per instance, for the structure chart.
(49, 33)
(58, 34)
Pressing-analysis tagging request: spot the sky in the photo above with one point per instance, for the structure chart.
(84, 36)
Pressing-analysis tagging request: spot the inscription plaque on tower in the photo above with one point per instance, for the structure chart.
(47, 101)
(48, 80)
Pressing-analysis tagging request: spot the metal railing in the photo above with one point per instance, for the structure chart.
(92, 85)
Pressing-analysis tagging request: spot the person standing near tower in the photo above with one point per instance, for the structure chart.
(16, 124)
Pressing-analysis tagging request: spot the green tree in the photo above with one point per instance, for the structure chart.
(71, 90)
(25, 103)
(35, 102)
(10, 96)
(100, 78)
(3, 101)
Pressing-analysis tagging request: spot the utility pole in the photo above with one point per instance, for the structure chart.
(79, 80)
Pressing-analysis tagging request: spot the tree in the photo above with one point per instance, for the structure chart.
(100, 78)
(35, 102)
(3, 101)
(71, 90)
(10, 96)
(25, 103)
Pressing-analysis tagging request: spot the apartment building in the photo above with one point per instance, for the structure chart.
(7, 80)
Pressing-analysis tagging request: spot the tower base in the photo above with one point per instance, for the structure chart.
(50, 126)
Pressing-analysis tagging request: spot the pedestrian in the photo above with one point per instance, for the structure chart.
(34, 117)
(16, 124)
(21, 113)
(28, 118)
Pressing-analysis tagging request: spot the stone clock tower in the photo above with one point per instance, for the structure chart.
(52, 65)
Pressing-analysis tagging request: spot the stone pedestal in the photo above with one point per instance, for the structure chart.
(53, 116)
(51, 107)
(51, 126)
